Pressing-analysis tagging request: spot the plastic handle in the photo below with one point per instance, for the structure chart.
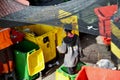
(31, 51)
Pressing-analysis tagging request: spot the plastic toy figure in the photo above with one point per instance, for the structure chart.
(72, 49)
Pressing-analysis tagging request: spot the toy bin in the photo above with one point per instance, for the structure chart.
(60, 34)
(61, 73)
(96, 73)
(28, 60)
(44, 36)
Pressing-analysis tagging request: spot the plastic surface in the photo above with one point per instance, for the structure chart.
(115, 50)
(44, 36)
(61, 73)
(106, 41)
(21, 50)
(95, 73)
(17, 36)
(35, 62)
(5, 40)
(104, 14)
(115, 43)
(115, 30)
(72, 19)
(60, 34)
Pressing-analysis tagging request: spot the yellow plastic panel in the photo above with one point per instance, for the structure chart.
(60, 34)
(44, 36)
(60, 76)
(115, 50)
(48, 47)
(71, 19)
(35, 62)
(115, 31)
